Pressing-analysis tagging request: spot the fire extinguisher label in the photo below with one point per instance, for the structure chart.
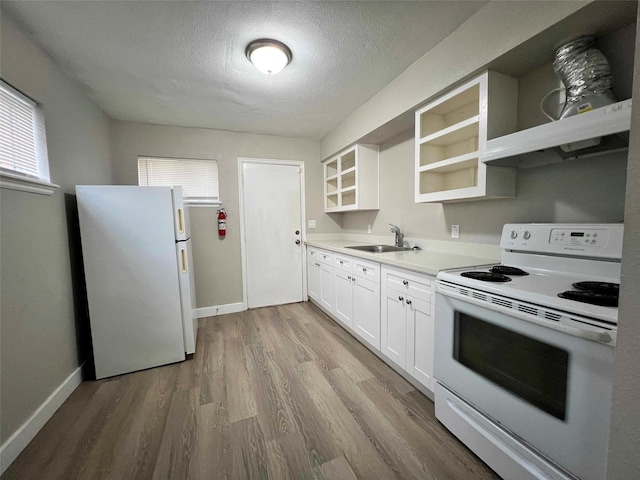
(222, 225)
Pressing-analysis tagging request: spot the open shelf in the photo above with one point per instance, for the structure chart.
(351, 180)
(451, 137)
(450, 112)
(449, 177)
(455, 133)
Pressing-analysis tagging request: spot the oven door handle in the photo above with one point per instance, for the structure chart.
(599, 336)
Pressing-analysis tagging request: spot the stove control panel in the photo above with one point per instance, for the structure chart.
(588, 240)
(579, 237)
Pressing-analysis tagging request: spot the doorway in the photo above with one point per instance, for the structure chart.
(272, 237)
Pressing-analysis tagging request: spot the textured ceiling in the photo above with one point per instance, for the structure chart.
(182, 62)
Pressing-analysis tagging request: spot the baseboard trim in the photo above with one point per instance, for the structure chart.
(15, 444)
(220, 309)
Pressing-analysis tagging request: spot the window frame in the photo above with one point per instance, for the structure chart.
(16, 180)
(192, 202)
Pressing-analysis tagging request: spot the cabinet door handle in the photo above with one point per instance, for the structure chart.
(401, 298)
(349, 277)
(317, 264)
(408, 302)
(364, 270)
(405, 282)
(353, 279)
(341, 262)
(297, 242)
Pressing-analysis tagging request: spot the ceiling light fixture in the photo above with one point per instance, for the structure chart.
(268, 56)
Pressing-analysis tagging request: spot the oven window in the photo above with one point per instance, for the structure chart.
(532, 370)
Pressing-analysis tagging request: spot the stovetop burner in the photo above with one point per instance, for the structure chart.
(592, 298)
(507, 270)
(604, 288)
(486, 276)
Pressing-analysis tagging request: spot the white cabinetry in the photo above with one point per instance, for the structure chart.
(388, 308)
(343, 266)
(366, 310)
(313, 278)
(407, 322)
(320, 277)
(357, 297)
(351, 180)
(451, 136)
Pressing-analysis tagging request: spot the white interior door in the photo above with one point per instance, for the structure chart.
(272, 213)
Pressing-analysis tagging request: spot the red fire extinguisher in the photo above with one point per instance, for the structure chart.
(222, 223)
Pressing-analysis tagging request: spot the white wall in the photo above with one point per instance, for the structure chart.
(624, 447)
(217, 262)
(44, 326)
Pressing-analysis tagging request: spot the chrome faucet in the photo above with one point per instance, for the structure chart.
(399, 235)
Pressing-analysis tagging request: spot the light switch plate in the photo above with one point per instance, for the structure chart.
(455, 231)
(311, 224)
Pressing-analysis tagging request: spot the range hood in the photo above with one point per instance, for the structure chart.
(601, 130)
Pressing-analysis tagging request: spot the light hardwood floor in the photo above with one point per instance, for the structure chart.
(274, 393)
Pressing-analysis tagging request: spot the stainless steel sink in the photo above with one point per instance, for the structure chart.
(379, 248)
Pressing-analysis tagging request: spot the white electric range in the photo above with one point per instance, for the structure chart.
(524, 351)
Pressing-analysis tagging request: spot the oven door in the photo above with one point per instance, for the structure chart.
(549, 388)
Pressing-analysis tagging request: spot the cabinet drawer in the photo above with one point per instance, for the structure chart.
(418, 286)
(364, 269)
(322, 256)
(343, 263)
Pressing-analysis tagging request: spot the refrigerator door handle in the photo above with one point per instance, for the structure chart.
(180, 221)
(183, 258)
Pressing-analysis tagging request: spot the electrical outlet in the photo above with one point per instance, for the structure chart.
(312, 224)
(455, 231)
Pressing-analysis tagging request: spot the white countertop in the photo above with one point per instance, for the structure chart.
(435, 256)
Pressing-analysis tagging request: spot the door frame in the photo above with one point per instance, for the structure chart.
(303, 230)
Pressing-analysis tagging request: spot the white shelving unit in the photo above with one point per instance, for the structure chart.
(451, 137)
(351, 180)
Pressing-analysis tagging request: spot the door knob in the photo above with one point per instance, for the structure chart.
(297, 242)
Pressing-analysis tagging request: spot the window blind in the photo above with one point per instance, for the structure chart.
(23, 142)
(198, 178)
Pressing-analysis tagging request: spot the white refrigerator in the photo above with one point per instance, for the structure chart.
(136, 248)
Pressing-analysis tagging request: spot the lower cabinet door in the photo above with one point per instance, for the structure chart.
(326, 287)
(393, 325)
(366, 311)
(343, 298)
(313, 281)
(420, 331)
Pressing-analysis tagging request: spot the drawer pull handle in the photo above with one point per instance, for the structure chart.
(408, 302)
(401, 298)
(317, 264)
(353, 279)
(341, 262)
(364, 270)
(405, 282)
(349, 277)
